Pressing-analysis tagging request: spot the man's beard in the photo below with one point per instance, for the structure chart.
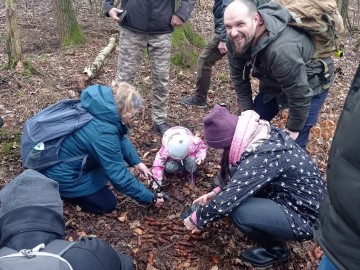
(241, 49)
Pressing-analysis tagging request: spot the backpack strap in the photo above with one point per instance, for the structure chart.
(58, 246)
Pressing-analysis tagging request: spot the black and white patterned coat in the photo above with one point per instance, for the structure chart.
(278, 169)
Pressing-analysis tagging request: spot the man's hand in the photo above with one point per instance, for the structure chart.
(222, 47)
(176, 21)
(293, 134)
(113, 14)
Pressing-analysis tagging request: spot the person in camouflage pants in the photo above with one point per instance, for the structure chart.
(148, 25)
(131, 51)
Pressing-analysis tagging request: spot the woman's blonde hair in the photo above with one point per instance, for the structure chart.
(126, 97)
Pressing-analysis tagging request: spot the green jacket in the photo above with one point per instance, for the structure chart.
(338, 227)
(282, 61)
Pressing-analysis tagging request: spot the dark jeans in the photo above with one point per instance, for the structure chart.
(263, 215)
(102, 201)
(267, 111)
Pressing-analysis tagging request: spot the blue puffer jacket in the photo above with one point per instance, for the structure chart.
(107, 148)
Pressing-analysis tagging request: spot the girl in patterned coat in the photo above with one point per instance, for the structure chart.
(180, 150)
(272, 192)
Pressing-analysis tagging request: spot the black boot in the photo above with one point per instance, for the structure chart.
(271, 251)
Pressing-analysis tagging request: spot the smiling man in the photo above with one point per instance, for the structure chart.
(261, 44)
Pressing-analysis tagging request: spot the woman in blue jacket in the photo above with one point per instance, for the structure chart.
(108, 152)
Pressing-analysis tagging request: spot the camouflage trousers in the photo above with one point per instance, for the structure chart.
(131, 52)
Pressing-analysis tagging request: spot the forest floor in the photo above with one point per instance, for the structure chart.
(154, 240)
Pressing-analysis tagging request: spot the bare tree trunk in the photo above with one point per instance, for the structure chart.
(13, 39)
(68, 26)
(343, 8)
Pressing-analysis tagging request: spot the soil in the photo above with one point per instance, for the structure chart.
(155, 240)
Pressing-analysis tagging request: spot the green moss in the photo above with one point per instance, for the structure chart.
(192, 36)
(10, 143)
(75, 36)
(223, 78)
(186, 43)
(29, 69)
(184, 59)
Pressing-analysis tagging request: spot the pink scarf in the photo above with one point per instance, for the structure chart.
(249, 133)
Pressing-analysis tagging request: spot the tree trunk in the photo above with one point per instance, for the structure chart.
(68, 26)
(343, 8)
(13, 39)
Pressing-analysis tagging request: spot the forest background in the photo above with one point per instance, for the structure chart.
(48, 54)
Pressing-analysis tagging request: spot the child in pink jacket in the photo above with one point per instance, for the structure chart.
(180, 150)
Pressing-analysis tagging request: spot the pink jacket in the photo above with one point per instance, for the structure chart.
(197, 149)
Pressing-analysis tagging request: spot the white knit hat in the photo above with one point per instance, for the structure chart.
(178, 145)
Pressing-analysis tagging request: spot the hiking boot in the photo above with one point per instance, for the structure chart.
(261, 257)
(162, 128)
(193, 101)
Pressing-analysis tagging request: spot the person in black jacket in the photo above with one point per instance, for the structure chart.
(269, 186)
(148, 25)
(338, 228)
(214, 51)
(31, 213)
(261, 44)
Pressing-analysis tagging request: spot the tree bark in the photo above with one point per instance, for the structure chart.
(13, 38)
(68, 26)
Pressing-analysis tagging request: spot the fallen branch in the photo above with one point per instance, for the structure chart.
(99, 60)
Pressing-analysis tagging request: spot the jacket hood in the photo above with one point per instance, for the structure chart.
(99, 101)
(26, 227)
(276, 18)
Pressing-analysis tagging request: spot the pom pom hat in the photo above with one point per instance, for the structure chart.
(219, 127)
(178, 145)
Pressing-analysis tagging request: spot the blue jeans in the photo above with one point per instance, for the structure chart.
(102, 201)
(326, 264)
(269, 110)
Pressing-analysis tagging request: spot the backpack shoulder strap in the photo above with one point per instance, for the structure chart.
(58, 246)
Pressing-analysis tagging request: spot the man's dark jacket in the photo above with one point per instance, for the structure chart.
(151, 16)
(338, 228)
(281, 60)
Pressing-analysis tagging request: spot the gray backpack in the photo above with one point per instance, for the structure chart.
(45, 131)
(40, 257)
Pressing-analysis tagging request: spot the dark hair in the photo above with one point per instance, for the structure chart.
(224, 171)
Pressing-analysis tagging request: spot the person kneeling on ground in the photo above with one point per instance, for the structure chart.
(104, 140)
(272, 195)
(31, 213)
(180, 150)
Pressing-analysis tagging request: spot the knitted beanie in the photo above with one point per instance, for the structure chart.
(219, 127)
(30, 188)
